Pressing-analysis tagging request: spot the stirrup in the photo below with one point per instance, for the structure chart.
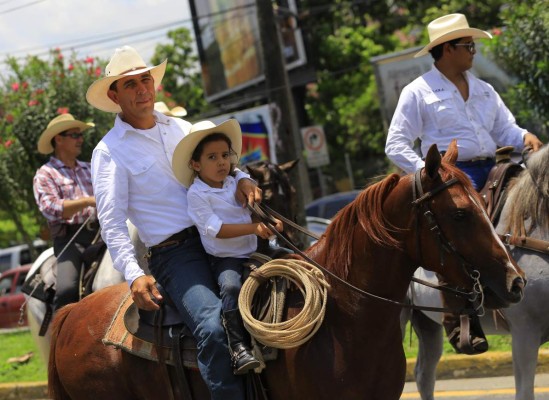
(473, 344)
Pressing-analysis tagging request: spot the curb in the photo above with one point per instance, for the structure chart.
(480, 366)
(450, 367)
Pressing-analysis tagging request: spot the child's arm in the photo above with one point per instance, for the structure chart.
(255, 228)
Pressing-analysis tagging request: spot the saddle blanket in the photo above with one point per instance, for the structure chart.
(118, 336)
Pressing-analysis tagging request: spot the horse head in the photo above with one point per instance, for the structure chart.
(455, 237)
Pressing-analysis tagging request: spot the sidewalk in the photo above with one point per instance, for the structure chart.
(450, 367)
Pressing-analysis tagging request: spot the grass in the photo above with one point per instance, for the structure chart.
(496, 343)
(17, 344)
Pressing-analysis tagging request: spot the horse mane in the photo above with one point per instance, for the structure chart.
(366, 210)
(529, 194)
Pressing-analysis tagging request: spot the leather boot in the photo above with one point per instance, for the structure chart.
(239, 343)
(477, 342)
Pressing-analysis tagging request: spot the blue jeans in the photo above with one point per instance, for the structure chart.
(227, 272)
(183, 270)
(477, 171)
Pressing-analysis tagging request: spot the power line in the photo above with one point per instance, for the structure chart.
(20, 7)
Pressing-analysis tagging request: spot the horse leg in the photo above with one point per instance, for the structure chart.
(525, 347)
(430, 338)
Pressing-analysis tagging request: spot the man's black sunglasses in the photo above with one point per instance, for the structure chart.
(74, 135)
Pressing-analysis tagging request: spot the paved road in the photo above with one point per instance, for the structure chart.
(499, 388)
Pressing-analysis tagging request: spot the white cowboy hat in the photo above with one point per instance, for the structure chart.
(59, 124)
(183, 152)
(450, 27)
(125, 62)
(177, 111)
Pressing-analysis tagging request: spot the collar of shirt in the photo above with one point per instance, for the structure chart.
(58, 164)
(202, 186)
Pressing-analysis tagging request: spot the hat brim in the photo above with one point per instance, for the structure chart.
(185, 148)
(97, 92)
(44, 142)
(460, 33)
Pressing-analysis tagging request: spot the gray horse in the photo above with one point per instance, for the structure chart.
(526, 211)
(106, 276)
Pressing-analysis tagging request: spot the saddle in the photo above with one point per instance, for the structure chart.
(162, 335)
(494, 191)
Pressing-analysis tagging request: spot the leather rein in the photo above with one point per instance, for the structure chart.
(266, 214)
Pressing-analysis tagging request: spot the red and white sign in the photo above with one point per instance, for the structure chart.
(314, 142)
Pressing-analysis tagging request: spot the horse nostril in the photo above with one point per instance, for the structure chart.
(518, 285)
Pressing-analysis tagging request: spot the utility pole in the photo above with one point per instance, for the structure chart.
(280, 93)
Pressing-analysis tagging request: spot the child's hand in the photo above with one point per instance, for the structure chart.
(279, 225)
(262, 231)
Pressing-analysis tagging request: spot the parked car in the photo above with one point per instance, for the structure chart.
(15, 256)
(11, 297)
(328, 206)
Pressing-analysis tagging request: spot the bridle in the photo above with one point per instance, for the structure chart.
(264, 214)
(420, 203)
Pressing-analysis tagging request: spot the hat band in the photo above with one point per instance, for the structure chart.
(129, 70)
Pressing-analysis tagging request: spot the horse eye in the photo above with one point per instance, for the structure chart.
(459, 214)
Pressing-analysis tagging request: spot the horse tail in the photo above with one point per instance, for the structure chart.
(56, 391)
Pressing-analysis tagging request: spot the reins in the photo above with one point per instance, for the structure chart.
(265, 214)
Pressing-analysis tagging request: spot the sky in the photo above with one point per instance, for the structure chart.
(90, 27)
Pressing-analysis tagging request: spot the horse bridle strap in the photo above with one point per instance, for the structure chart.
(267, 220)
(419, 200)
(541, 246)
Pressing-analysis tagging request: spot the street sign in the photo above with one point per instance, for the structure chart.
(316, 149)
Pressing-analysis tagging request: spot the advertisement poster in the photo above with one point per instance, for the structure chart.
(230, 45)
(257, 133)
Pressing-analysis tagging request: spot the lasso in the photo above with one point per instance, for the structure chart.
(294, 332)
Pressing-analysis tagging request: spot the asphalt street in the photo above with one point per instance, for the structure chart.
(495, 388)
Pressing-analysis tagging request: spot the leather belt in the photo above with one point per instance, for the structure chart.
(178, 237)
(476, 159)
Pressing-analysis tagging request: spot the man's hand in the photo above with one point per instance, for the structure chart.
(532, 140)
(247, 192)
(144, 291)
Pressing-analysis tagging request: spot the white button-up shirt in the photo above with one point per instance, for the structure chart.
(432, 109)
(133, 179)
(209, 208)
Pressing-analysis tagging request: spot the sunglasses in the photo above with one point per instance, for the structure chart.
(468, 46)
(74, 135)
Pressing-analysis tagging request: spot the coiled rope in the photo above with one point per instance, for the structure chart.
(294, 332)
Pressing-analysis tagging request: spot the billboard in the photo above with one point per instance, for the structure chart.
(229, 44)
(258, 135)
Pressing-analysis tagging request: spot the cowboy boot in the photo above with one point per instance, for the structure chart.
(476, 343)
(239, 339)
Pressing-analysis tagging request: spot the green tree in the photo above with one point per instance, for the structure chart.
(32, 93)
(522, 48)
(182, 83)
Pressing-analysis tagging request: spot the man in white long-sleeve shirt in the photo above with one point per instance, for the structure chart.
(447, 103)
(133, 179)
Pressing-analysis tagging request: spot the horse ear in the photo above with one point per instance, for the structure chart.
(451, 154)
(254, 172)
(432, 161)
(288, 166)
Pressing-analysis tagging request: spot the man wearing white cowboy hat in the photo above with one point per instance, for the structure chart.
(133, 179)
(63, 191)
(447, 103)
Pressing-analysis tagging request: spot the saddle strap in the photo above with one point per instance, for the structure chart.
(178, 360)
(46, 321)
(525, 242)
(158, 316)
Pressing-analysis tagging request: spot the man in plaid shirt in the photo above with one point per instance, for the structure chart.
(64, 194)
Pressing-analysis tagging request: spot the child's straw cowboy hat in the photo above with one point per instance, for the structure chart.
(125, 62)
(450, 27)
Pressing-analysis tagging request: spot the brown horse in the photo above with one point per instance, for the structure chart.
(371, 250)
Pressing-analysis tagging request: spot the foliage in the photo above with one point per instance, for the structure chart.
(522, 48)
(34, 92)
(182, 83)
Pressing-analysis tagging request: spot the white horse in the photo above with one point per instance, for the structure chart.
(106, 275)
(528, 204)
